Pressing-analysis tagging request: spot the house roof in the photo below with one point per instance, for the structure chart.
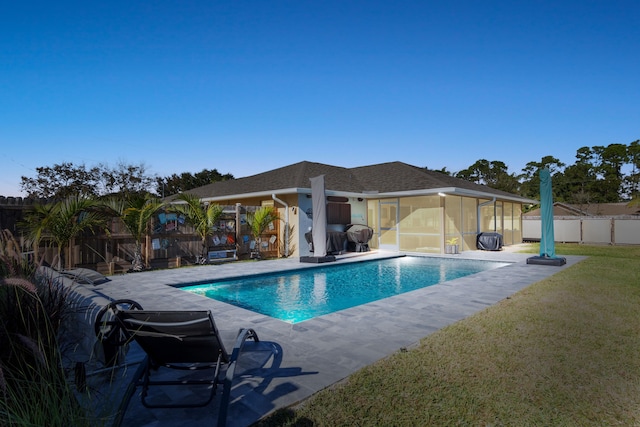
(384, 179)
(593, 209)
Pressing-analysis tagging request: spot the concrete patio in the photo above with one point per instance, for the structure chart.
(294, 361)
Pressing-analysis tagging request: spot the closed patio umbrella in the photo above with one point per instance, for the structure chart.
(319, 230)
(547, 236)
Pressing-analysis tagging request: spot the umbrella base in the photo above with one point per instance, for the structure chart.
(543, 260)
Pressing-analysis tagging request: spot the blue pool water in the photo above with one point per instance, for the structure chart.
(301, 295)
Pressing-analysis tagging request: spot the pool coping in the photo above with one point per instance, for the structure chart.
(322, 351)
(202, 288)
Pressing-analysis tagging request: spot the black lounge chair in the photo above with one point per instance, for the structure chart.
(184, 340)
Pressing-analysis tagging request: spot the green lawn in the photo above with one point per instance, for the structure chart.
(564, 352)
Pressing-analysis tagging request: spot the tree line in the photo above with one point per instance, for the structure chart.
(599, 175)
(66, 179)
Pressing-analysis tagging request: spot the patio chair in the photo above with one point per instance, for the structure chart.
(182, 340)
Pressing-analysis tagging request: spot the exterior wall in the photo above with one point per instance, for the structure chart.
(358, 210)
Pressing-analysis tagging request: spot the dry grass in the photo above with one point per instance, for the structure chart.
(564, 351)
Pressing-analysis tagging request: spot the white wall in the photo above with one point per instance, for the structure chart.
(624, 231)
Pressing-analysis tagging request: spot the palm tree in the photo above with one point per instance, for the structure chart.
(62, 221)
(202, 217)
(259, 221)
(136, 212)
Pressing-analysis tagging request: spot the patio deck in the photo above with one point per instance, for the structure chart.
(317, 353)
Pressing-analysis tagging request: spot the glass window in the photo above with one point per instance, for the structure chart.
(372, 221)
(469, 215)
(517, 223)
(507, 213)
(426, 243)
(420, 224)
(498, 219)
(487, 223)
(469, 223)
(452, 216)
(420, 214)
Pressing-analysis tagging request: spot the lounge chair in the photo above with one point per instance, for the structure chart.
(183, 340)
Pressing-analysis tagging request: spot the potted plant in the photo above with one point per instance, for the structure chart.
(451, 246)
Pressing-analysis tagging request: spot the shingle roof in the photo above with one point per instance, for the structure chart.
(398, 176)
(381, 178)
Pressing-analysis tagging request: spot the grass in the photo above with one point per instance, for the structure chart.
(564, 351)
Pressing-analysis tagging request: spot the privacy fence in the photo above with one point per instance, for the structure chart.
(171, 243)
(595, 230)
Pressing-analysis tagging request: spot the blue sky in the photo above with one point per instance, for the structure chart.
(249, 86)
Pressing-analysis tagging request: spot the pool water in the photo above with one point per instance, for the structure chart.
(301, 295)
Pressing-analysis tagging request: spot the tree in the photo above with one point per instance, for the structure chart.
(632, 181)
(135, 211)
(125, 179)
(66, 179)
(259, 221)
(61, 181)
(176, 184)
(578, 186)
(202, 217)
(609, 161)
(61, 221)
(493, 174)
(442, 171)
(530, 179)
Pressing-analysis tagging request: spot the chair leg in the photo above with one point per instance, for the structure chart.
(128, 394)
(243, 335)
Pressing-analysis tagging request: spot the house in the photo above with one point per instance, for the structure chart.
(409, 208)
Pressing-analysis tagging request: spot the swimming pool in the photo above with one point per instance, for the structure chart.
(300, 295)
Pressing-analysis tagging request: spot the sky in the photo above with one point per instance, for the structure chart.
(245, 87)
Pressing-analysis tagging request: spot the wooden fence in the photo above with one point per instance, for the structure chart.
(172, 243)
